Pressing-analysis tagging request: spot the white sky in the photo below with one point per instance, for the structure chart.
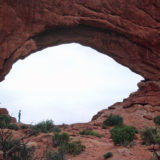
(67, 83)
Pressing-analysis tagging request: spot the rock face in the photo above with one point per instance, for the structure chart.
(4, 111)
(128, 31)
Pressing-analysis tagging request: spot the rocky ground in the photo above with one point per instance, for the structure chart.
(135, 115)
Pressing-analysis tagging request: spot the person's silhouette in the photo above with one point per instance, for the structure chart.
(19, 116)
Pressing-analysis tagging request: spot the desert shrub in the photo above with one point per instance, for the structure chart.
(4, 121)
(44, 126)
(22, 152)
(14, 149)
(112, 120)
(157, 120)
(104, 126)
(13, 126)
(108, 155)
(75, 147)
(150, 136)
(122, 135)
(56, 129)
(89, 132)
(24, 126)
(64, 125)
(63, 148)
(55, 156)
(60, 139)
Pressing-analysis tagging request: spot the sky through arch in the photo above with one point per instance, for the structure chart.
(68, 83)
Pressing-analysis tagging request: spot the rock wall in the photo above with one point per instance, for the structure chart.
(4, 111)
(128, 31)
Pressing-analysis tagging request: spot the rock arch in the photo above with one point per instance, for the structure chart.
(128, 31)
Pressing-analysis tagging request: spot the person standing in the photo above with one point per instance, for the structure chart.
(19, 116)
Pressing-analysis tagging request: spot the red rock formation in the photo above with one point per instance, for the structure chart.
(4, 111)
(128, 31)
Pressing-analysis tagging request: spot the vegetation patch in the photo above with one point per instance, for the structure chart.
(60, 139)
(14, 149)
(24, 126)
(157, 120)
(89, 132)
(45, 127)
(122, 135)
(108, 155)
(148, 135)
(112, 120)
(75, 147)
(53, 155)
(13, 126)
(4, 121)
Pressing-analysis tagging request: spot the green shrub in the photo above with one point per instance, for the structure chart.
(148, 134)
(55, 156)
(60, 139)
(4, 121)
(108, 155)
(56, 129)
(157, 120)
(44, 127)
(24, 126)
(112, 120)
(89, 132)
(75, 147)
(104, 126)
(14, 149)
(13, 126)
(63, 148)
(122, 135)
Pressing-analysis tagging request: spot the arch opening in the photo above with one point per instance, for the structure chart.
(72, 80)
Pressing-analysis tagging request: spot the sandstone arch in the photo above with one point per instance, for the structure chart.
(128, 31)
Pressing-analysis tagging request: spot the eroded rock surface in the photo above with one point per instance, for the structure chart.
(4, 111)
(128, 31)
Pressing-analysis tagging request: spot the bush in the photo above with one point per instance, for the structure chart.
(89, 132)
(55, 156)
(75, 147)
(24, 126)
(157, 120)
(14, 149)
(104, 126)
(56, 129)
(13, 126)
(4, 121)
(112, 120)
(60, 139)
(108, 155)
(44, 127)
(150, 136)
(122, 135)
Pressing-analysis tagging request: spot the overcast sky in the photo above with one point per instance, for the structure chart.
(67, 83)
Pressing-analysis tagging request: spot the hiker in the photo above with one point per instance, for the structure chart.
(19, 116)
